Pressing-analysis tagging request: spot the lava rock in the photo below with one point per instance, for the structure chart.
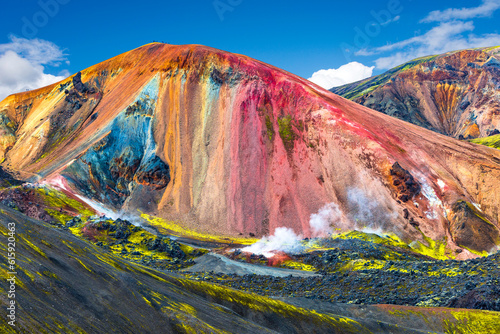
(406, 185)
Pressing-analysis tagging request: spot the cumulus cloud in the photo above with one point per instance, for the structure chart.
(345, 74)
(484, 10)
(448, 36)
(23, 65)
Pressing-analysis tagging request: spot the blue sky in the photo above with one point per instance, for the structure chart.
(43, 41)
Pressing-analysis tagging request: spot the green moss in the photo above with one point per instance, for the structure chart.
(389, 239)
(134, 243)
(50, 274)
(286, 131)
(361, 264)
(491, 48)
(434, 249)
(270, 128)
(483, 253)
(365, 87)
(297, 266)
(172, 228)
(479, 214)
(60, 217)
(57, 199)
(34, 247)
(491, 141)
(472, 321)
(83, 265)
(227, 296)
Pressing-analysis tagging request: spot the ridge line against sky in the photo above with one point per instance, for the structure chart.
(454, 31)
(47, 40)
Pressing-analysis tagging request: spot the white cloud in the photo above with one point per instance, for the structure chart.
(395, 19)
(485, 9)
(453, 31)
(345, 74)
(22, 65)
(441, 39)
(445, 37)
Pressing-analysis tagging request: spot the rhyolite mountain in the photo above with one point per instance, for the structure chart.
(225, 144)
(456, 93)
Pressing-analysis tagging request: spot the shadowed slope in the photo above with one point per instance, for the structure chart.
(65, 285)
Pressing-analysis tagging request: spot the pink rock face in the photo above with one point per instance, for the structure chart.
(247, 147)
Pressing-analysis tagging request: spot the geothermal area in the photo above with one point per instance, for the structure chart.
(184, 189)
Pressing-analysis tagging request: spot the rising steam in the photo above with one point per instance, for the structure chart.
(286, 240)
(322, 222)
(365, 213)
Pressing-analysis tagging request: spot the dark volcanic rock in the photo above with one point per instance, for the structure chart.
(7, 180)
(81, 288)
(164, 244)
(154, 173)
(486, 297)
(406, 185)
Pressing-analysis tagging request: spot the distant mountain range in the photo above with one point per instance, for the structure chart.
(456, 93)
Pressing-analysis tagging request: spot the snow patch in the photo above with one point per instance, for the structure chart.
(441, 184)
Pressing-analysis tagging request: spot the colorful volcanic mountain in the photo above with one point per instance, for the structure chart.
(224, 144)
(456, 93)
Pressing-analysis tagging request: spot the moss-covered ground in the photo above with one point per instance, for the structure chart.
(354, 267)
(363, 268)
(491, 141)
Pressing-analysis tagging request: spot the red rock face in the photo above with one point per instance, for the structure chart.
(225, 144)
(455, 94)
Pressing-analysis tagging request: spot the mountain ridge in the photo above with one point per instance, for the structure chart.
(452, 93)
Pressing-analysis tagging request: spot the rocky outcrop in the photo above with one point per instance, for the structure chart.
(124, 158)
(470, 229)
(406, 185)
(455, 94)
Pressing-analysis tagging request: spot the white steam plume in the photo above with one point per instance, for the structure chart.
(321, 222)
(284, 239)
(366, 213)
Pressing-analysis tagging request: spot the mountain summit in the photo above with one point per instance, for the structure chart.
(225, 144)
